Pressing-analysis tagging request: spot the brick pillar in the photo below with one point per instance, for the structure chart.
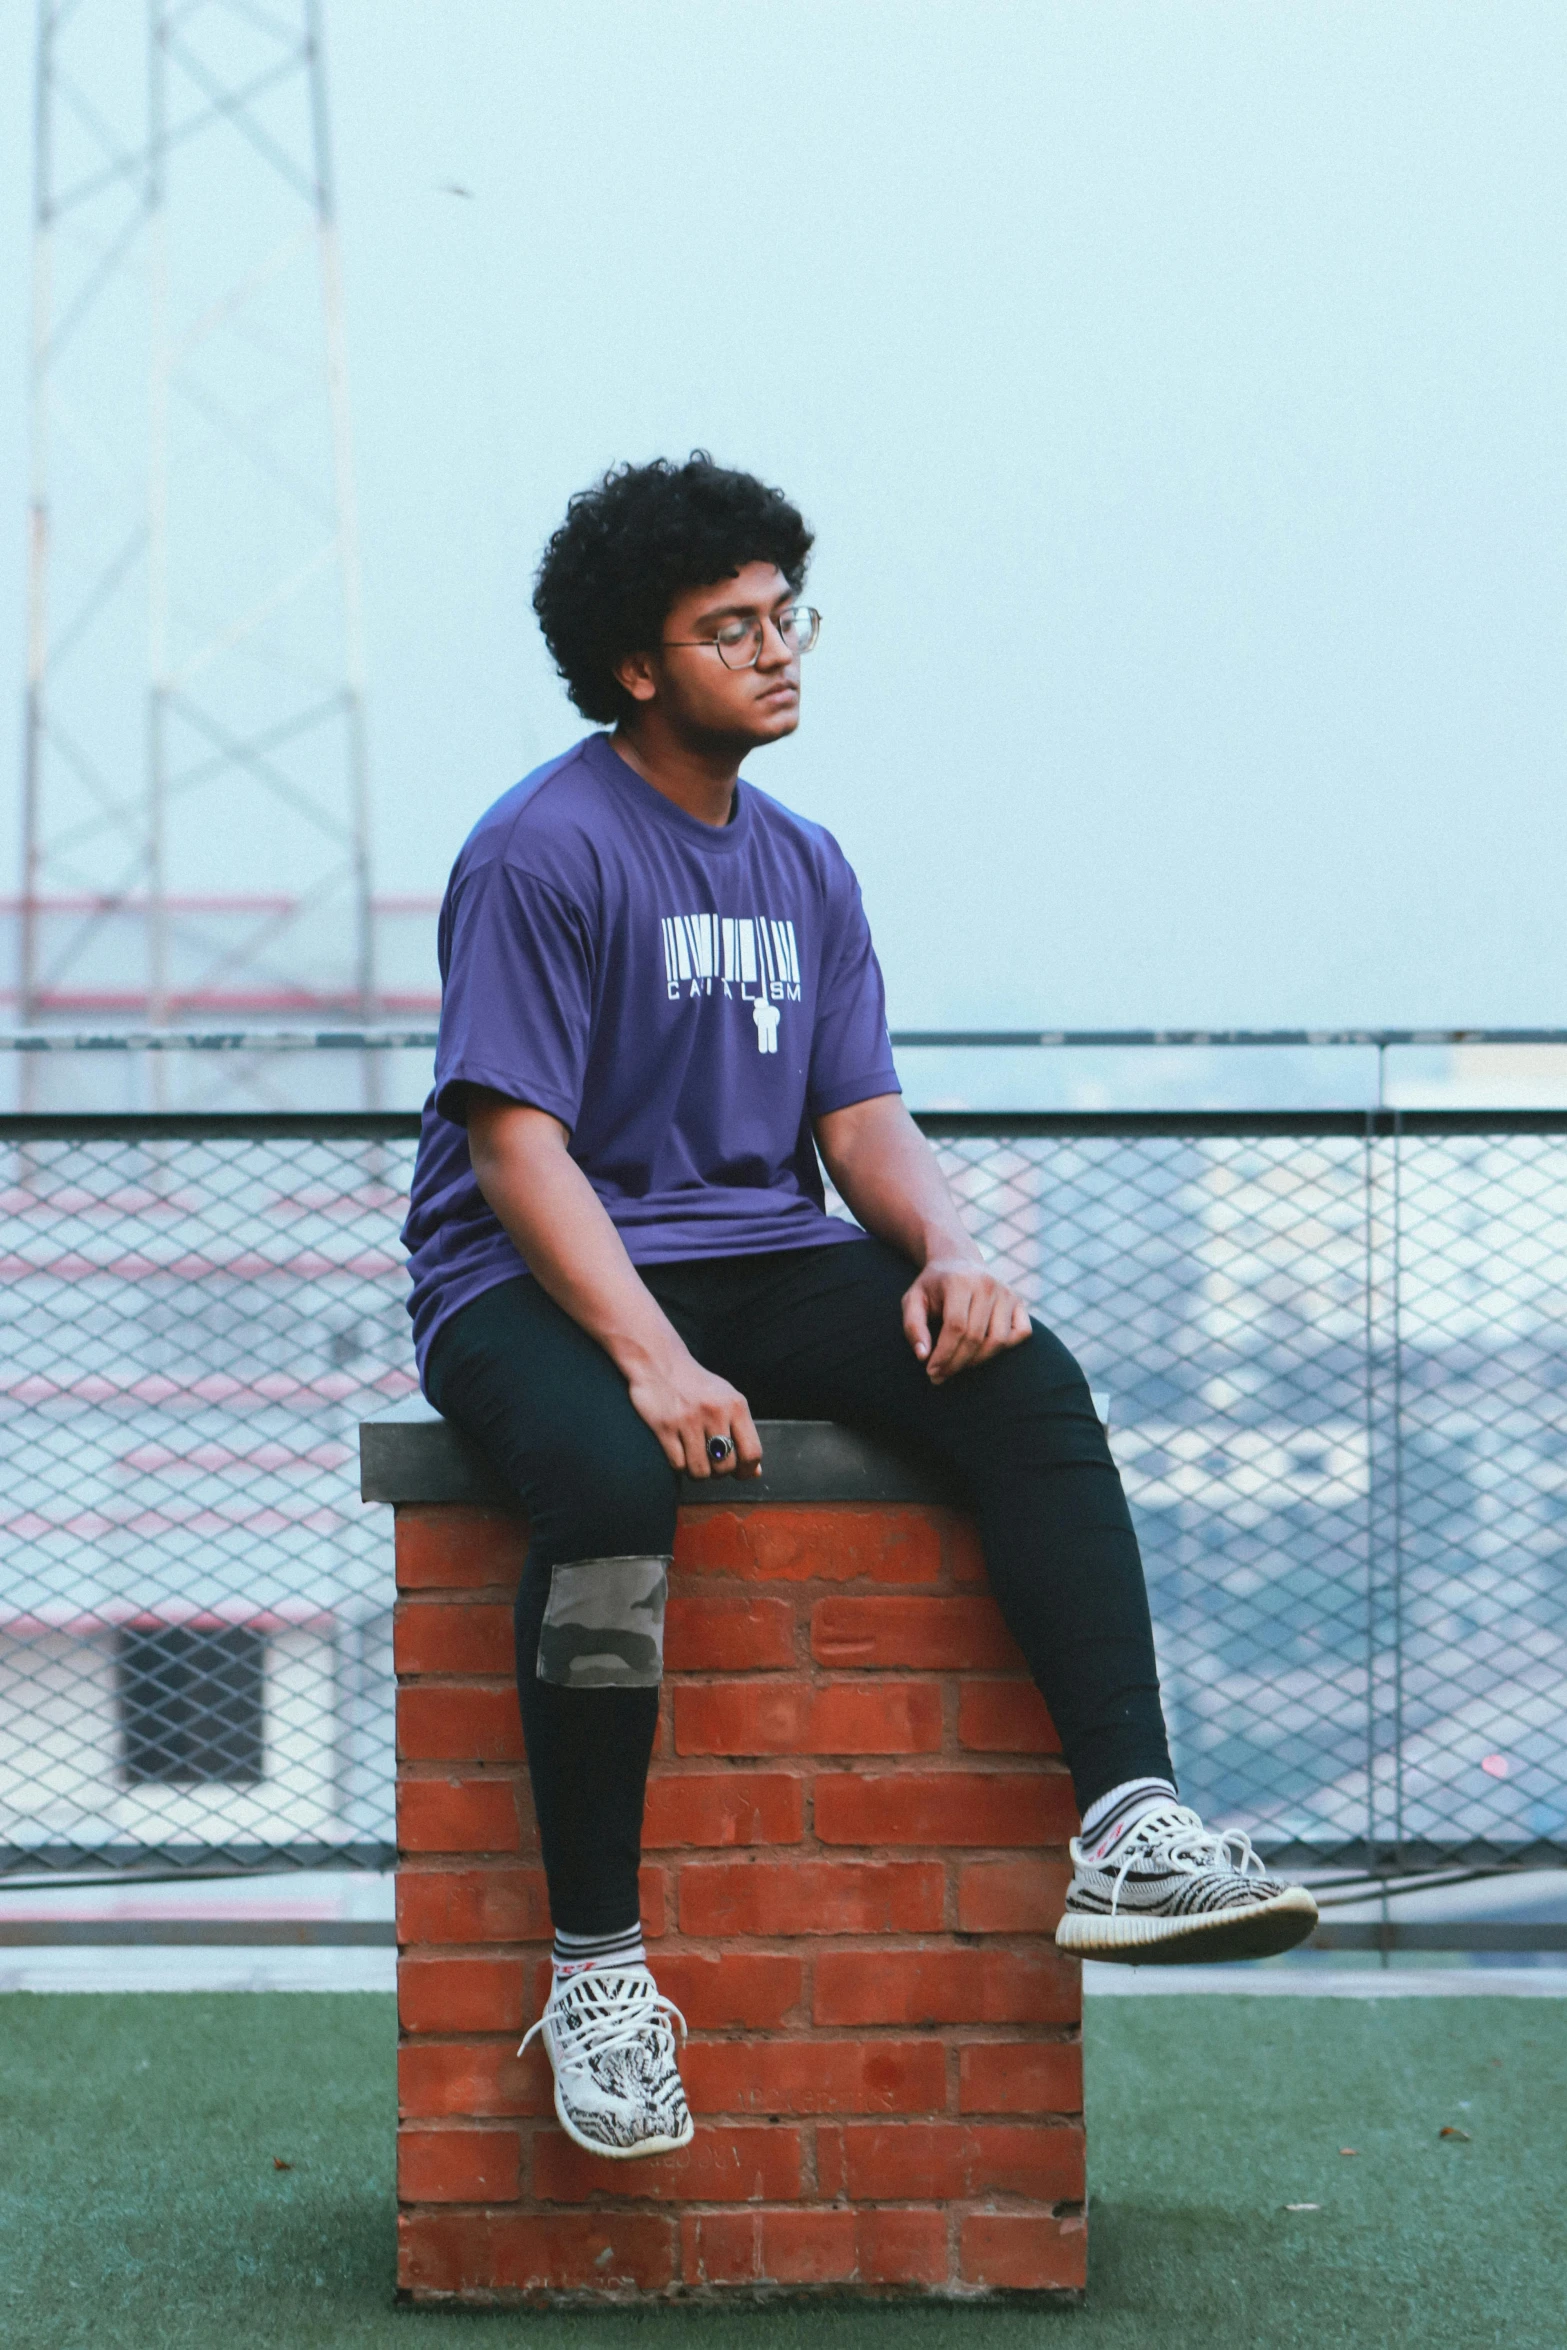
(854, 1859)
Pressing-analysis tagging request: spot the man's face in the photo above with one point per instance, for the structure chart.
(698, 694)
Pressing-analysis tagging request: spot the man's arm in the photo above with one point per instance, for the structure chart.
(550, 1209)
(888, 1176)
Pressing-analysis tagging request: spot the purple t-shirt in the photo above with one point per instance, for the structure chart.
(684, 998)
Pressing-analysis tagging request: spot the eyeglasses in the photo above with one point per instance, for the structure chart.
(738, 643)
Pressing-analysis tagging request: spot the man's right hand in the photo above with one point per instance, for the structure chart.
(560, 1225)
(684, 1405)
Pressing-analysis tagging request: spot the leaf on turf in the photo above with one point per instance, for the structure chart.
(1303, 2207)
(279, 2164)
(1448, 2131)
(1349, 2150)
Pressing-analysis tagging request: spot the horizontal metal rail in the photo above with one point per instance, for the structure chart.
(402, 1040)
(1480, 1934)
(1001, 1125)
(197, 1933)
(1488, 1936)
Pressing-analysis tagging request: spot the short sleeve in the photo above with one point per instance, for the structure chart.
(516, 995)
(851, 1057)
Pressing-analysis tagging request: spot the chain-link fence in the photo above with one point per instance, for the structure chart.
(1333, 1356)
(1336, 1365)
(195, 1611)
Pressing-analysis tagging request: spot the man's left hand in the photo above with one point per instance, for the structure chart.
(977, 1315)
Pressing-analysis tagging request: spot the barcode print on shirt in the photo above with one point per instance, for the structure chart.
(689, 945)
(751, 953)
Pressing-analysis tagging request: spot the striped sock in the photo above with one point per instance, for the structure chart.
(573, 1952)
(1109, 1816)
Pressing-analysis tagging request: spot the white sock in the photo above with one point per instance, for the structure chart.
(1109, 1816)
(575, 1952)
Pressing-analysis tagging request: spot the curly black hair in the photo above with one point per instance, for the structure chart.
(635, 541)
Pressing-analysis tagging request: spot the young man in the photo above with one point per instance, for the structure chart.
(660, 1004)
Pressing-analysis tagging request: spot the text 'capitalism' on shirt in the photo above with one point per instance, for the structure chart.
(684, 998)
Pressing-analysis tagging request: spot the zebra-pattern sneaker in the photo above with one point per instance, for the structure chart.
(617, 2084)
(1174, 1893)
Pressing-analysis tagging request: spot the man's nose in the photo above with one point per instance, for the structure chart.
(776, 652)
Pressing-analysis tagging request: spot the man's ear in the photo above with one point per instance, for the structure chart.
(635, 674)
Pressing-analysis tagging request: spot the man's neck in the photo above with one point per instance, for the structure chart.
(698, 777)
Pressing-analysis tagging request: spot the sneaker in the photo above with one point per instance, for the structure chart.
(1174, 1892)
(617, 2084)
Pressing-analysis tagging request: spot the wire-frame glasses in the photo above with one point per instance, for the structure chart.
(738, 641)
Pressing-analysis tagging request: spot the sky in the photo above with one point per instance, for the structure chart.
(1176, 388)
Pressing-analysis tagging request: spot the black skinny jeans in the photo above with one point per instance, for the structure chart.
(804, 1334)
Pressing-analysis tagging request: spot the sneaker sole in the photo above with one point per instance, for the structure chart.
(1128, 1940)
(638, 2153)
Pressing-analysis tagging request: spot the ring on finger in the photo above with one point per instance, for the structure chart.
(719, 1449)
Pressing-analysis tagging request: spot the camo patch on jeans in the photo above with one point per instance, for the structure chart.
(604, 1625)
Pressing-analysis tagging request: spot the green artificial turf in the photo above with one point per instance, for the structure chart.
(140, 2207)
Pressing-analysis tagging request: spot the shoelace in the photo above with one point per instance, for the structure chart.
(601, 2012)
(1183, 1842)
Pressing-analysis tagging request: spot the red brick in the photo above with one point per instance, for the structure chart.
(744, 1989)
(935, 1635)
(800, 1544)
(741, 1634)
(723, 1807)
(468, 1636)
(812, 1896)
(472, 1905)
(1022, 2249)
(946, 1987)
(458, 1548)
(440, 2077)
(792, 1717)
(493, 1905)
(459, 1994)
(606, 2252)
(902, 2247)
(943, 1807)
(767, 2247)
(462, 1815)
(815, 2076)
(1027, 2076)
(444, 2252)
(962, 1549)
(470, 1724)
(746, 2163)
(875, 2161)
(1005, 1717)
(458, 2166)
(1024, 1896)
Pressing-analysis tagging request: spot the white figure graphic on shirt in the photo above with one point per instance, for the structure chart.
(766, 1017)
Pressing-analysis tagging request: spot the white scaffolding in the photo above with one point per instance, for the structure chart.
(195, 785)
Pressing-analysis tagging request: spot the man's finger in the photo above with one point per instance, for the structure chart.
(954, 1334)
(693, 1437)
(986, 1330)
(916, 1320)
(1003, 1321)
(716, 1428)
(988, 1342)
(747, 1443)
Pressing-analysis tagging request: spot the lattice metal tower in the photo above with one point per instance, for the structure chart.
(195, 791)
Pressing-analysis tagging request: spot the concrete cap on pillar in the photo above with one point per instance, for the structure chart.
(410, 1454)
